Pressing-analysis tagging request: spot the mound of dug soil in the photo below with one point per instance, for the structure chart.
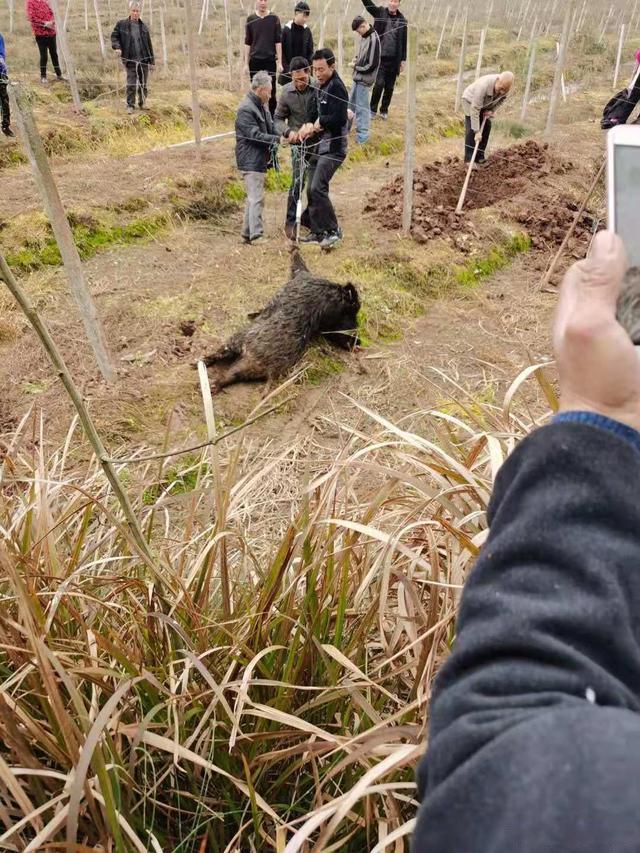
(547, 220)
(508, 174)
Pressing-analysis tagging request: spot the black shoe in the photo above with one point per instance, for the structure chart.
(8, 132)
(312, 237)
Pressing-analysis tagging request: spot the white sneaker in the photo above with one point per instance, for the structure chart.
(44, 81)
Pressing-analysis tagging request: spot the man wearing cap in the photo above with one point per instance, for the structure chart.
(365, 70)
(131, 40)
(480, 101)
(297, 40)
(263, 46)
(391, 26)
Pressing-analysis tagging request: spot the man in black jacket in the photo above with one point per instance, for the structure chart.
(391, 26)
(535, 718)
(131, 40)
(297, 40)
(329, 125)
(255, 142)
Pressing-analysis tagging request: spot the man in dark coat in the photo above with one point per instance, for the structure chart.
(255, 142)
(329, 128)
(391, 26)
(131, 40)
(534, 726)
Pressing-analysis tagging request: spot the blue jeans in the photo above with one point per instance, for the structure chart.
(359, 103)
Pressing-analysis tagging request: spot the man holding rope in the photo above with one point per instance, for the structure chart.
(131, 40)
(294, 110)
(330, 126)
(480, 101)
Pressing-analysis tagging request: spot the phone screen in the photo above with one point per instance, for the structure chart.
(627, 199)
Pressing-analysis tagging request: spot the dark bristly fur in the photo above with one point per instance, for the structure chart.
(304, 309)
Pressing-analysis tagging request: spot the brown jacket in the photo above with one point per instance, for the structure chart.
(479, 97)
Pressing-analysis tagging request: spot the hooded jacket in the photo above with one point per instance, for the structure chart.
(365, 70)
(3, 57)
(39, 12)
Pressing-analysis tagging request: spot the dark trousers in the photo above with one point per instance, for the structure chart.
(4, 104)
(48, 43)
(270, 66)
(470, 140)
(384, 85)
(320, 215)
(298, 180)
(137, 76)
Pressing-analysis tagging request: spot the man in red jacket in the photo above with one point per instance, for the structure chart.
(43, 24)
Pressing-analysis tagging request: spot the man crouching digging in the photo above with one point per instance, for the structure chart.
(303, 310)
(480, 102)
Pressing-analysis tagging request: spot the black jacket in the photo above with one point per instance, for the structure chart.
(535, 719)
(121, 40)
(254, 135)
(331, 104)
(287, 45)
(381, 16)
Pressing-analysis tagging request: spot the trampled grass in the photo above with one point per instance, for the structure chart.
(261, 683)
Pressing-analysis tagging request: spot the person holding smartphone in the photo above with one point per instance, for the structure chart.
(534, 726)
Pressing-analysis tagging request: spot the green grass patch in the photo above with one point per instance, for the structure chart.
(277, 182)
(323, 366)
(235, 191)
(498, 258)
(90, 237)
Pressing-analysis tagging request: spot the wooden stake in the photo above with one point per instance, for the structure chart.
(465, 186)
(90, 431)
(527, 88)
(619, 57)
(66, 55)
(410, 129)
(559, 74)
(606, 24)
(193, 77)
(61, 229)
(483, 36)
(547, 278)
(444, 27)
(563, 88)
(463, 50)
(163, 39)
(228, 37)
(96, 9)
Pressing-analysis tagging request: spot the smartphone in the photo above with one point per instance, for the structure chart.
(623, 187)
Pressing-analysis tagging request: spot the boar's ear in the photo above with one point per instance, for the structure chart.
(351, 294)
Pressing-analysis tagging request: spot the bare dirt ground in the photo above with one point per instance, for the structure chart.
(481, 336)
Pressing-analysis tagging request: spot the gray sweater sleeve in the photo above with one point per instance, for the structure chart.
(548, 632)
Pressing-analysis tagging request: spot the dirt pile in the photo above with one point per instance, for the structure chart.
(547, 220)
(508, 174)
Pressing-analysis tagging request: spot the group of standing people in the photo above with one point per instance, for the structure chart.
(313, 114)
